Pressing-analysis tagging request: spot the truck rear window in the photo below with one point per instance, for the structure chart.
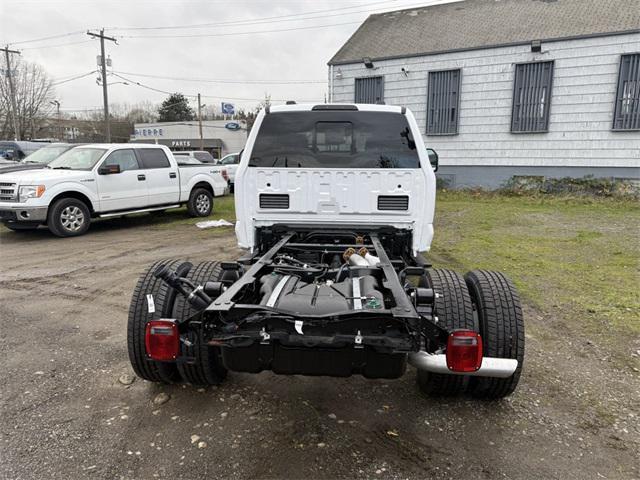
(334, 139)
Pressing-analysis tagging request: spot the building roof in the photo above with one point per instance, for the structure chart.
(473, 24)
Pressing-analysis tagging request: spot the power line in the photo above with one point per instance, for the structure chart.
(213, 80)
(207, 96)
(58, 45)
(60, 82)
(256, 21)
(199, 35)
(51, 37)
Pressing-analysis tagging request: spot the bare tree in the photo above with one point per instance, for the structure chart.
(34, 92)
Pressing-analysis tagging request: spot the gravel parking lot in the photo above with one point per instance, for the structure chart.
(71, 408)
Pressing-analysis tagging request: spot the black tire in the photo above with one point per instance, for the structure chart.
(207, 368)
(454, 310)
(139, 315)
(200, 203)
(19, 227)
(69, 217)
(497, 304)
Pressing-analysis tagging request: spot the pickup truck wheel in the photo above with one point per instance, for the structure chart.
(152, 299)
(200, 203)
(454, 310)
(207, 367)
(497, 304)
(68, 217)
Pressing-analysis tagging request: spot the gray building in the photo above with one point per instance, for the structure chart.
(511, 87)
(219, 137)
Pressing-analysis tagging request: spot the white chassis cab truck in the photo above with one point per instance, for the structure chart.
(334, 205)
(106, 180)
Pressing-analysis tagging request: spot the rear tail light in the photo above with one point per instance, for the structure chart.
(225, 175)
(464, 351)
(162, 340)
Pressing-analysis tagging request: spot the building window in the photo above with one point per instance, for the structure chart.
(627, 109)
(369, 90)
(442, 102)
(532, 97)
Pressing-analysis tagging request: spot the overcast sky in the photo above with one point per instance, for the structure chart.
(317, 29)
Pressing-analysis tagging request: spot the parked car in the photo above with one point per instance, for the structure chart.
(105, 180)
(201, 155)
(334, 204)
(231, 162)
(38, 159)
(16, 151)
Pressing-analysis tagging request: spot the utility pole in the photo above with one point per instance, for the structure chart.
(200, 122)
(12, 92)
(57, 104)
(103, 65)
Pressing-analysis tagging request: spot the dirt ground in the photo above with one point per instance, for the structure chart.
(65, 415)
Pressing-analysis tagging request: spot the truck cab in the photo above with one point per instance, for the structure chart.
(359, 166)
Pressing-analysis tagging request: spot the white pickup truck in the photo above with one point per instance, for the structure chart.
(106, 180)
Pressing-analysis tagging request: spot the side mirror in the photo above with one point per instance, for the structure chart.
(109, 169)
(433, 159)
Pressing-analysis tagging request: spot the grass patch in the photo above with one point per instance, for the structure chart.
(576, 259)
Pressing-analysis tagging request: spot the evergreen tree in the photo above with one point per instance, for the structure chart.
(175, 109)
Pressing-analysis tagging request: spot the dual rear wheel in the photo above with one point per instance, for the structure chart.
(486, 302)
(154, 299)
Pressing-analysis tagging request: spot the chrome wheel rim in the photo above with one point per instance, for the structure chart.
(72, 218)
(202, 203)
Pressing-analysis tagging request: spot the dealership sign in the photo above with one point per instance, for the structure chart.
(181, 143)
(232, 126)
(228, 108)
(148, 132)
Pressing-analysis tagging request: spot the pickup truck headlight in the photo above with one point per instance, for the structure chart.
(31, 191)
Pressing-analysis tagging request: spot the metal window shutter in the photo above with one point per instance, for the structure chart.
(442, 102)
(627, 107)
(369, 90)
(532, 97)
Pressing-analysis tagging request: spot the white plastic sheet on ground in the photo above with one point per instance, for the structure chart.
(214, 223)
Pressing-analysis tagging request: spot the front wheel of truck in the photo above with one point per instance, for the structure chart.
(454, 310)
(69, 217)
(205, 367)
(497, 304)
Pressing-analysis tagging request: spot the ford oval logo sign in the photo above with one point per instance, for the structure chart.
(232, 126)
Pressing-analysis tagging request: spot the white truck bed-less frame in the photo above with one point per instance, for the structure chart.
(334, 204)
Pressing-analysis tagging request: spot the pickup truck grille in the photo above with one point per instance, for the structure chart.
(393, 202)
(8, 192)
(273, 200)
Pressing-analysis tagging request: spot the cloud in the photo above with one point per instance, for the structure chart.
(291, 55)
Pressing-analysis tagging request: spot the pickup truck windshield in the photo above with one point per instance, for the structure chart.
(78, 159)
(334, 139)
(45, 155)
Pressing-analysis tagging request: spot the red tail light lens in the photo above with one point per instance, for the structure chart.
(162, 340)
(464, 351)
(225, 175)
